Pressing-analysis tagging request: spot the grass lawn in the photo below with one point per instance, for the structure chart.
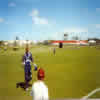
(71, 73)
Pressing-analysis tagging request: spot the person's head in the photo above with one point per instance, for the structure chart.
(40, 74)
(27, 49)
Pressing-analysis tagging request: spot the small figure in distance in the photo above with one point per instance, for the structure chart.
(54, 51)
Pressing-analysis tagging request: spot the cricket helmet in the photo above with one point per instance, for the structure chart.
(41, 74)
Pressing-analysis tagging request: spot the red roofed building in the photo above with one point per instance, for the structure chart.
(76, 42)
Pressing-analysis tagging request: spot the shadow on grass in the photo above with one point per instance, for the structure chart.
(23, 85)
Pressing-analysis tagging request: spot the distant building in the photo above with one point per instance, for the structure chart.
(94, 40)
(19, 42)
(70, 42)
(98, 42)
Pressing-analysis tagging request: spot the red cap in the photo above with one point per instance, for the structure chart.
(41, 74)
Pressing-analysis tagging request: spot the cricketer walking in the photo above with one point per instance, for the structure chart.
(27, 59)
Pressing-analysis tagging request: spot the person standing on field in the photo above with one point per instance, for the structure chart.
(27, 59)
(54, 51)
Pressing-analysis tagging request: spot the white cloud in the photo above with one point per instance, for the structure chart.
(12, 4)
(39, 20)
(1, 20)
(36, 19)
(34, 13)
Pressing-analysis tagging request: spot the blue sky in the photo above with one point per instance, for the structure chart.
(49, 19)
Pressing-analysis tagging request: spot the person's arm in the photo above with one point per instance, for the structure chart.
(32, 60)
(46, 95)
(31, 93)
(23, 59)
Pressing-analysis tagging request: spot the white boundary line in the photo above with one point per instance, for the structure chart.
(90, 94)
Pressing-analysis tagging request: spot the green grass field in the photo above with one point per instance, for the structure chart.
(71, 73)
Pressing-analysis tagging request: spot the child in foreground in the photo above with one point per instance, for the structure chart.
(39, 89)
